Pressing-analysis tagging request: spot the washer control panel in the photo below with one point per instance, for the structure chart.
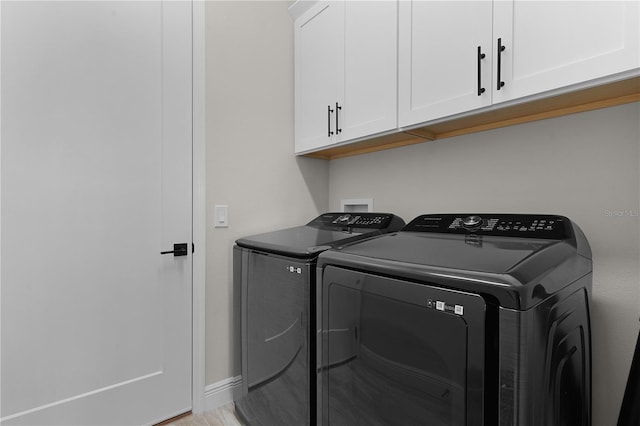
(506, 225)
(353, 220)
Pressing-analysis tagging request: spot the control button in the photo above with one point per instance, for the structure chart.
(472, 222)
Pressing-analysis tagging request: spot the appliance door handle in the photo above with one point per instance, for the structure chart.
(329, 112)
(501, 48)
(481, 56)
(179, 249)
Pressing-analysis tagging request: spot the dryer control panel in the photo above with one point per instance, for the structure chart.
(494, 224)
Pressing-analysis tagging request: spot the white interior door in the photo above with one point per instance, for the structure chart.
(95, 176)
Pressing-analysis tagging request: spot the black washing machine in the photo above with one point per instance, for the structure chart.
(274, 275)
(457, 320)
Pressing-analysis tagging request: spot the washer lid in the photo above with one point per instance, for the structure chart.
(301, 241)
(471, 253)
(518, 270)
(322, 233)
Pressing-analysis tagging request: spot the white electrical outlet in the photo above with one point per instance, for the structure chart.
(221, 216)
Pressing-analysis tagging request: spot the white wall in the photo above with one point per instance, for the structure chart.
(250, 161)
(583, 166)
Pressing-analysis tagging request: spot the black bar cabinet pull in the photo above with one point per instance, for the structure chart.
(179, 249)
(500, 50)
(338, 108)
(481, 56)
(329, 111)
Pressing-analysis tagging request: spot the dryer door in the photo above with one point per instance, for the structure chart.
(395, 352)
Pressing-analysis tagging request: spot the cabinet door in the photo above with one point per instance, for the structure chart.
(371, 41)
(553, 44)
(438, 58)
(319, 68)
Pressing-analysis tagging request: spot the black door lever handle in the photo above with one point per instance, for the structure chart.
(179, 249)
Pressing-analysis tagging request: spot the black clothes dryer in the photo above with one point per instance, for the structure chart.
(274, 274)
(458, 320)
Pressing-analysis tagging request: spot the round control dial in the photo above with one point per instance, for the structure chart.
(472, 222)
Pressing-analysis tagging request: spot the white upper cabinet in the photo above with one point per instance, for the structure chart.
(451, 50)
(319, 76)
(444, 58)
(554, 44)
(345, 72)
(381, 69)
(370, 78)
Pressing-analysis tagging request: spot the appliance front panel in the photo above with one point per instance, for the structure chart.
(275, 330)
(398, 352)
(276, 297)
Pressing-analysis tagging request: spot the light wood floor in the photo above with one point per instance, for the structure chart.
(223, 416)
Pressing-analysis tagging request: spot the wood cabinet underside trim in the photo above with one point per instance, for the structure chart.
(603, 96)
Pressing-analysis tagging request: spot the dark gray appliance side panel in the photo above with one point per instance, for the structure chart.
(320, 305)
(237, 308)
(545, 361)
(241, 266)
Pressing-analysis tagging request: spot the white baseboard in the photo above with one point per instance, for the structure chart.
(220, 393)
